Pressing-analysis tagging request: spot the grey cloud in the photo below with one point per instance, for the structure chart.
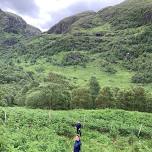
(24, 7)
(71, 10)
(29, 7)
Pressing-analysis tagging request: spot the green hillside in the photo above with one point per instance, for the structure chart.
(113, 45)
(85, 67)
(50, 131)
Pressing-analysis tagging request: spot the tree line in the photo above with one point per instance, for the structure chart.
(56, 95)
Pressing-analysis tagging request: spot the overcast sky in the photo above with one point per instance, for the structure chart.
(45, 13)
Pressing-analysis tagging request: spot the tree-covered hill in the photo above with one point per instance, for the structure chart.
(113, 45)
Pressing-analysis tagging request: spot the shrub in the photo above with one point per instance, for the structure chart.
(58, 79)
(105, 98)
(133, 99)
(145, 77)
(81, 98)
(52, 96)
(94, 87)
(74, 58)
(107, 67)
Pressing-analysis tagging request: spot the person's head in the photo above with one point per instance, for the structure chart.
(77, 138)
(78, 122)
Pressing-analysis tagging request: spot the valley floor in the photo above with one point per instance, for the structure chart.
(106, 130)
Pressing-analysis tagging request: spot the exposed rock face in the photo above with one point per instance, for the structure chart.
(148, 17)
(12, 23)
(31, 30)
(10, 42)
(65, 25)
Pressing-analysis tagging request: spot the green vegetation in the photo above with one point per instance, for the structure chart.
(56, 91)
(112, 45)
(94, 89)
(74, 58)
(50, 131)
(90, 61)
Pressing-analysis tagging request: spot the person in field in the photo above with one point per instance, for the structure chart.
(77, 144)
(78, 128)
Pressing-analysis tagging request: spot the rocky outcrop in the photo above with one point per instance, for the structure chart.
(31, 30)
(66, 24)
(148, 17)
(11, 23)
(10, 42)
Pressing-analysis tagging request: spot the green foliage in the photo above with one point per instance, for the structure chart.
(105, 98)
(81, 98)
(143, 68)
(58, 79)
(113, 44)
(11, 73)
(131, 99)
(52, 96)
(51, 131)
(74, 58)
(94, 87)
(107, 67)
(33, 75)
(135, 99)
(145, 77)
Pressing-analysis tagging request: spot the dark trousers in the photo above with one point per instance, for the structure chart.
(79, 132)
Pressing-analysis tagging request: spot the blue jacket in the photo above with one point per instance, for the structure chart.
(77, 146)
(78, 126)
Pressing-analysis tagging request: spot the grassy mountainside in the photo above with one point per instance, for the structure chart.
(119, 35)
(114, 45)
(50, 131)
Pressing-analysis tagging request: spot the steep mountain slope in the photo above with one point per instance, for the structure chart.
(128, 14)
(66, 25)
(12, 23)
(13, 28)
(125, 15)
(120, 34)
